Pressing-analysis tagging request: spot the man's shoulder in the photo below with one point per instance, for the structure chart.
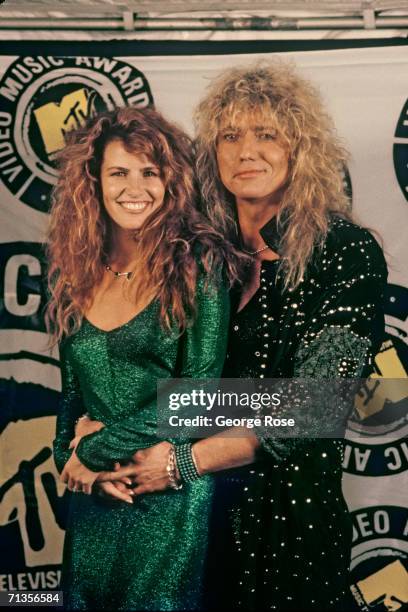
(347, 239)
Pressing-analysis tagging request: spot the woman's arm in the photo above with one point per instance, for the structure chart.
(77, 477)
(70, 409)
(202, 350)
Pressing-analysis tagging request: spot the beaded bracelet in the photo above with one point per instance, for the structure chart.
(185, 462)
(171, 470)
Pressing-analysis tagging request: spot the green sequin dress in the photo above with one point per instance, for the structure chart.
(149, 555)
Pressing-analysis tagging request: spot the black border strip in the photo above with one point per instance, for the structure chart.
(31, 356)
(114, 48)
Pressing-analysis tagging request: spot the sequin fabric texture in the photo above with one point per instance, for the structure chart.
(288, 524)
(149, 555)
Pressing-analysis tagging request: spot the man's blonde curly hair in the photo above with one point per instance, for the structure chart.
(273, 92)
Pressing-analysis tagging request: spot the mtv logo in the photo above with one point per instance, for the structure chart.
(31, 495)
(56, 119)
(388, 586)
(376, 392)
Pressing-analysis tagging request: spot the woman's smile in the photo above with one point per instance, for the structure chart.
(134, 207)
(132, 186)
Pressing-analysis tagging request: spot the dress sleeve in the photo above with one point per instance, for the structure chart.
(202, 354)
(70, 408)
(344, 331)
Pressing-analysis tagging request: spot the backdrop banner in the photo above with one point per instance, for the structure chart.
(42, 97)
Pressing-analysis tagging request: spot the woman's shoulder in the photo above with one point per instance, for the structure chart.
(209, 267)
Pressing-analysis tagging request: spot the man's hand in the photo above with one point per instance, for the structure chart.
(118, 490)
(84, 427)
(148, 470)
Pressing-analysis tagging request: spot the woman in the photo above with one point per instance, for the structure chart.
(137, 295)
(270, 168)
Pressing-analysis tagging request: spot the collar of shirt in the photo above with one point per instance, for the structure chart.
(272, 233)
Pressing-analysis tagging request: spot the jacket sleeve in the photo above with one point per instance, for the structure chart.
(202, 354)
(341, 338)
(347, 327)
(70, 408)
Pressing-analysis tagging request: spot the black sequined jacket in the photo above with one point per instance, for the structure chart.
(332, 324)
(291, 530)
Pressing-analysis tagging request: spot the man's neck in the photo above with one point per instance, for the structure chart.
(252, 217)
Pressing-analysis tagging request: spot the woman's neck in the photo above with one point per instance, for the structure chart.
(122, 248)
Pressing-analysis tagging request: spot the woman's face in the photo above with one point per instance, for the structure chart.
(132, 187)
(253, 160)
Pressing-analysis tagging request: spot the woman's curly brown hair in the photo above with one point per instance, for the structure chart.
(173, 244)
(274, 92)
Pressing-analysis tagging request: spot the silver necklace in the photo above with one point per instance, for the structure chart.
(258, 251)
(118, 274)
